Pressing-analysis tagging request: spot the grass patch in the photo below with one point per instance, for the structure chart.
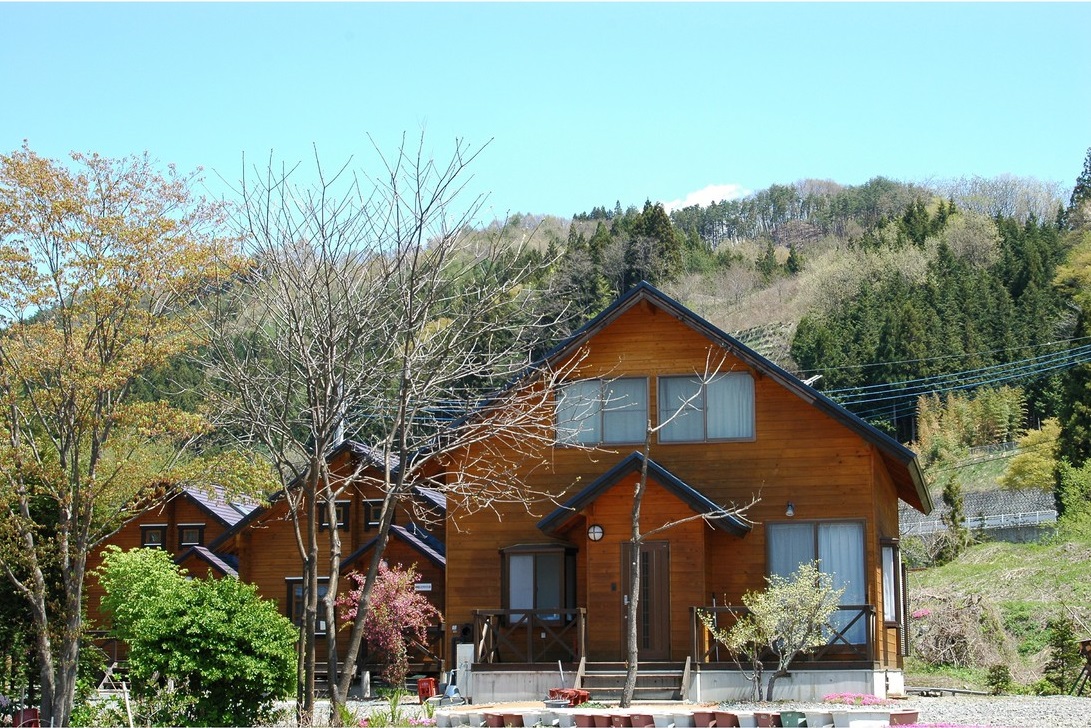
(921, 674)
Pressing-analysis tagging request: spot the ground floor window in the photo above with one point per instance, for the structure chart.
(838, 547)
(894, 594)
(539, 577)
(294, 611)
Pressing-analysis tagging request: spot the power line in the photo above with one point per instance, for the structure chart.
(943, 356)
(894, 396)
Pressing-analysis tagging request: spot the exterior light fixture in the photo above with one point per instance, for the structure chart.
(595, 532)
(791, 510)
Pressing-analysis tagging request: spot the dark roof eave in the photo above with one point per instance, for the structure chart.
(556, 520)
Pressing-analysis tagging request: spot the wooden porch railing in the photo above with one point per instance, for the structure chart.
(428, 656)
(840, 648)
(530, 635)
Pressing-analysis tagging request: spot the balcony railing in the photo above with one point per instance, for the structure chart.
(851, 636)
(530, 635)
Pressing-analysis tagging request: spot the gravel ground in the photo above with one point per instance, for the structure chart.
(1019, 711)
(1016, 711)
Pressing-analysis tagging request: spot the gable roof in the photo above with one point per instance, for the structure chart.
(428, 545)
(633, 463)
(901, 462)
(216, 561)
(215, 502)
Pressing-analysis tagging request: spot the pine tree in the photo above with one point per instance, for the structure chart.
(794, 264)
(1078, 214)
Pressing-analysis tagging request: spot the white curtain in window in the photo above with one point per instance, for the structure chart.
(625, 410)
(579, 405)
(890, 593)
(790, 544)
(689, 424)
(731, 406)
(520, 583)
(841, 554)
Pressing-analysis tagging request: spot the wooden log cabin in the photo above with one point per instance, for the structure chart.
(523, 591)
(530, 590)
(212, 535)
(264, 546)
(185, 522)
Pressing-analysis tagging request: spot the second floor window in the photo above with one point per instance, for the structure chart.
(153, 536)
(692, 410)
(191, 534)
(342, 515)
(594, 411)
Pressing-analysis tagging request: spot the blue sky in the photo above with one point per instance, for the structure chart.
(581, 104)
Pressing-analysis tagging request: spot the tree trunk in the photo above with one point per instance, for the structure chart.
(337, 696)
(632, 651)
(356, 636)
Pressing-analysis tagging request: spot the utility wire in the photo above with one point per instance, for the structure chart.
(943, 356)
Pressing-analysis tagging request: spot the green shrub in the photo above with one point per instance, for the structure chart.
(1064, 659)
(998, 679)
(201, 651)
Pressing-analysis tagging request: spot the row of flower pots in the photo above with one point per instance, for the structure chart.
(605, 718)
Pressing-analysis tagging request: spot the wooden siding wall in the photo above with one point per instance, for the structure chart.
(269, 557)
(180, 509)
(798, 454)
(886, 516)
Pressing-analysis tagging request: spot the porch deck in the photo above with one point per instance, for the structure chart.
(518, 639)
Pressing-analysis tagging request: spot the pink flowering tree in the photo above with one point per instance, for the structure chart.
(397, 614)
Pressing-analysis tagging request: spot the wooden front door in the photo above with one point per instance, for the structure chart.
(653, 608)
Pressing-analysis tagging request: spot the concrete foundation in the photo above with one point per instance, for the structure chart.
(800, 685)
(704, 685)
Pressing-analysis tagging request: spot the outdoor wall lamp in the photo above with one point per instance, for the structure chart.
(791, 510)
(595, 532)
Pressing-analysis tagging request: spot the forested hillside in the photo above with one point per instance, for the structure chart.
(883, 292)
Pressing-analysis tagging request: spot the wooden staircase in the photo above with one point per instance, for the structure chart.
(654, 681)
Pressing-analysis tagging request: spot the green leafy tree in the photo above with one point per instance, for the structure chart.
(1036, 463)
(100, 261)
(789, 618)
(214, 639)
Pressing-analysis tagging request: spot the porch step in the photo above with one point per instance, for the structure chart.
(654, 681)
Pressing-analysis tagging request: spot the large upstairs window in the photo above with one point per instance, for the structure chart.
(693, 410)
(602, 411)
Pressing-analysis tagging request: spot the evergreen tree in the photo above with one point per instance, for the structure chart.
(794, 264)
(1064, 658)
(1078, 214)
(767, 262)
(954, 517)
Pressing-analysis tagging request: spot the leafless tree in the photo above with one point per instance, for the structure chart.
(637, 536)
(369, 314)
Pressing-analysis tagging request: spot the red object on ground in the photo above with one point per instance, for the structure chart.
(26, 717)
(426, 688)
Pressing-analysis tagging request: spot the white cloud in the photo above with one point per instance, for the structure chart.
(706, 196)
